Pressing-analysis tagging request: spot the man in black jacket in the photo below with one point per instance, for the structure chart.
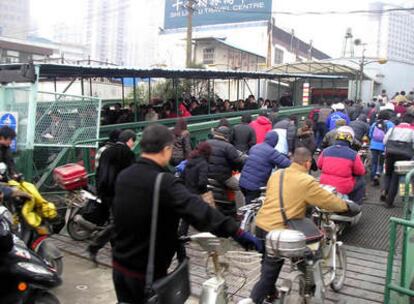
(112, 161)
(7, 135)
(244, 137)
(224, 159)
(132, 210)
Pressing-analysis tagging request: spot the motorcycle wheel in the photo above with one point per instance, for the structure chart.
(77, 232)
(56, 264)
(340, 272)
(44, 297)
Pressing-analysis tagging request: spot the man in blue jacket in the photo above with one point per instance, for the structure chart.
(259, 165)
(338, 113)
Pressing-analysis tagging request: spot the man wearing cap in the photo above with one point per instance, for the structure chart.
(224, 159)
(339, 109)
(342, 167)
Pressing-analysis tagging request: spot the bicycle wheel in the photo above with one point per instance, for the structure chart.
(340, 271)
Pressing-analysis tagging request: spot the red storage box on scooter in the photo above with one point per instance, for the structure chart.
(71, 176)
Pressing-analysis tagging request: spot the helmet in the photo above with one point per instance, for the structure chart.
(389, 106)
(338, 106)
(345, 133)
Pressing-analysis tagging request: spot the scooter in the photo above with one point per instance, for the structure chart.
(34, 220)
(342, 220)
(24, 275)
(77, 218)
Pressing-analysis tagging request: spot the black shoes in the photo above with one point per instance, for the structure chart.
(93, 253)
(383, 196)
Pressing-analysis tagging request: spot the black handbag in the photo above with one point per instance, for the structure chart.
(305, 225)
(175, 287)
(397, 147)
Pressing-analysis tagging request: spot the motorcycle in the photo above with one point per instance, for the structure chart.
(364, 153)
(81, 216)
(24, 275)
(77, 202)
(35, 219)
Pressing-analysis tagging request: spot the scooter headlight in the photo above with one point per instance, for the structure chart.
(33, 268)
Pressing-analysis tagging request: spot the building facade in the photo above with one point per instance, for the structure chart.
(393, 34)
(14, 18)
(106, 26)
(19, 51)
(219, 54)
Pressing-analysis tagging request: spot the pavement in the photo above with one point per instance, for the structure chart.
(83, 282)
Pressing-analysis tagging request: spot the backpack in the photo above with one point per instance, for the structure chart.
(379, 131)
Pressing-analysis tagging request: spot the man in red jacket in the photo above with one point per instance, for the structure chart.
(342, 168)
(261, 126)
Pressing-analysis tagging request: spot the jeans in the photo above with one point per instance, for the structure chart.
(377, 163)
(128, 289)
(250, 195)
(358, 192)
(269, 274)
(391, 179)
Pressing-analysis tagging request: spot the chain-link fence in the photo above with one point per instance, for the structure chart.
(66, 130)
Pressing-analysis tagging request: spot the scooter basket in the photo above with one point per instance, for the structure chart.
(285, 243)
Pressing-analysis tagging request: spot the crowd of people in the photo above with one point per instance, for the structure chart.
(115, 114)
(277, 152)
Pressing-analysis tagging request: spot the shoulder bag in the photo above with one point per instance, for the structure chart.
(305, 225)
(175, 287)
(398, 147)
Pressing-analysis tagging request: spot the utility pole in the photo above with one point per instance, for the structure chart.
(189, 53)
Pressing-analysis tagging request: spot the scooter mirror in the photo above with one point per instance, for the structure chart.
(3, 168)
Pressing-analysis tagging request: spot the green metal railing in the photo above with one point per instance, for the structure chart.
(200, 128)
(407, 257)
(389, 285)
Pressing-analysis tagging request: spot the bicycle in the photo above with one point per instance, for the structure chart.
(248, 213)
(314, 266)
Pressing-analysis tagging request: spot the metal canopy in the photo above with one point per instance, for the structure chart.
(315, 68)
(52, 71)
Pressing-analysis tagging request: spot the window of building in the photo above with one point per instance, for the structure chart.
(208, 55)
(278, 58)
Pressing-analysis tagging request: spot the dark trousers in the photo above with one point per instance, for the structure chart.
(102, 237)
(128, 289)
(377, 163)
(320, 132)
(250, 195)
(269, 274)
(391, 179)
(358, 192)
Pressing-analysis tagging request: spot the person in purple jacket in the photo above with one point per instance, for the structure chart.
(263, 158)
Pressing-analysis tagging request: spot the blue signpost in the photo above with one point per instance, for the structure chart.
(10, 119)
(209, 12)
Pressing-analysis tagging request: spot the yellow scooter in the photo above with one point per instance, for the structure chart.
(32, 217)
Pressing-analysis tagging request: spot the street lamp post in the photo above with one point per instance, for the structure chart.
(362, 64)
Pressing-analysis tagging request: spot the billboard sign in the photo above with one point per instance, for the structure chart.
(211, 12)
